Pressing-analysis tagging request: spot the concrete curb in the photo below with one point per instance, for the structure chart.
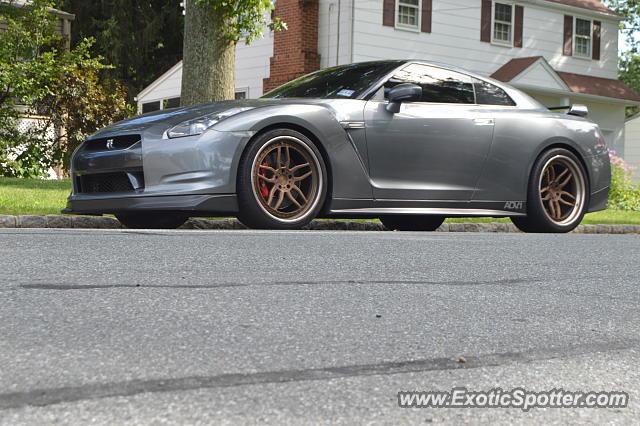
(99, 222)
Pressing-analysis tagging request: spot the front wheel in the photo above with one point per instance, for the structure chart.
(151, 220)
(411, 222)
(281, 181)
(557, 195)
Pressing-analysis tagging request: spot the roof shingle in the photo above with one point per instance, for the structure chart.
(578, 83)
(587, 4)
(599, 86)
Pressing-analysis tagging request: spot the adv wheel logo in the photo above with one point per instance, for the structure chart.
(514, 205)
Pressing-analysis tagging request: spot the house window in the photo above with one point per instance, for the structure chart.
(171, 103)
(241, 94)
(408, 14)
(502, 23)
(150, 106)
(582, 37)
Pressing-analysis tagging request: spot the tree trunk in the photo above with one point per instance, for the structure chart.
(209, 61)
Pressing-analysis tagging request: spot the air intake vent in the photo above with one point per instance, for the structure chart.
(110, 182)
(109, 144)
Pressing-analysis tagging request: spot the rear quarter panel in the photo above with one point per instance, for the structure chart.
(521, 136)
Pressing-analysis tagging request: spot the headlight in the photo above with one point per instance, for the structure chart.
(198, 125)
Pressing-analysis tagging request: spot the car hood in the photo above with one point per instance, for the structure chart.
(173, 116)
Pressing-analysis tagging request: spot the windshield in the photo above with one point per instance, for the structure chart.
(342, 82)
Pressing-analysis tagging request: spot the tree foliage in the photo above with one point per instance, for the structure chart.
(629, 61)
(143, 38)
(50, 98)
(247, 18)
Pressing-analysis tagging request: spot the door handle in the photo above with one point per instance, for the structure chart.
(484, 121)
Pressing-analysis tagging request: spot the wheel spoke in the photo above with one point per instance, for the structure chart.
(299, 191)
(568, 194)
(302, 177)
(552, 173)
(288, 156)
(551, 209)
(558, 210)
(266, 179)
(543, 190)
(271, 195)
(265, 167)
(279, 157)
(292, 198)
(546, 176)
(280, 200)
(298, 167)
(566, 203)
(566, 181)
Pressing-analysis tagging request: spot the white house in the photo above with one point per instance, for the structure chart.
(632, 144)
(558, 51)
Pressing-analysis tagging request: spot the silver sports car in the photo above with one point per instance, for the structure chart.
(409, 142)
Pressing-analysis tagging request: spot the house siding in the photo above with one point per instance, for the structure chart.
(632, 145)
(252, 67)
(455, 39)
(334, 32)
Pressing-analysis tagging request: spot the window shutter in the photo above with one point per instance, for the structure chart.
(389, 13)
(597, 29)
(519, 22)
(427, 10)
(567, 49)
(485, 24)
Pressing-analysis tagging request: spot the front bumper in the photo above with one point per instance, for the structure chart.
(133, 172)
(196, 205)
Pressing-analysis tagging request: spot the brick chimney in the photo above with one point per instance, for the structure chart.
(295, 51)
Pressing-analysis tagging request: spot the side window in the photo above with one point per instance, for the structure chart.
(438, 85)
(488, 94)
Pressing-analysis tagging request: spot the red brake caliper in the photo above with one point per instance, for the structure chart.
(263, 186)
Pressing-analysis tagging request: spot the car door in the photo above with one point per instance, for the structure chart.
(434, 149)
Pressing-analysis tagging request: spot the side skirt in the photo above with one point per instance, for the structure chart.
(373, 208)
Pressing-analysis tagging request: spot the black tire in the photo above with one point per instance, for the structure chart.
(412, 222)
(273, 192)
(557, 194)
(151, 220)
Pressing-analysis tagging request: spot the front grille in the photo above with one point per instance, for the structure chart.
(109, 182)
(108, 144)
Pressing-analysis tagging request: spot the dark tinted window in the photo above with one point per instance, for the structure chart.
(150, 106)
(438, 85)
(488, 94)
(171, 103)
(346, 82)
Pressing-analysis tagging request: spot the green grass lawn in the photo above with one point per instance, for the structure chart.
(40, 197)
(33, 196)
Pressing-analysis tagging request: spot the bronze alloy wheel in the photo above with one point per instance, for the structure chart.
(286, 178)
(562, 190)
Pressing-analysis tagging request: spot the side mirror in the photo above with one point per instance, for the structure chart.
(578, 110)
(405, 92)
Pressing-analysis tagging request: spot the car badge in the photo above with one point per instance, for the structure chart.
(109, 143)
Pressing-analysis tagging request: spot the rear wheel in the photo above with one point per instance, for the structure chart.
(557, 194)
(281, 181)
(412, 222)
(151, 220)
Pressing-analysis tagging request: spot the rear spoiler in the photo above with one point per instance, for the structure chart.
(577, 110)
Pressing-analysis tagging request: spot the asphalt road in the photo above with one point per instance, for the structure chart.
(245, 327)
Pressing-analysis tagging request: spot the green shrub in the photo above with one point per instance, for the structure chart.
(50, 98)
(624, 193)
